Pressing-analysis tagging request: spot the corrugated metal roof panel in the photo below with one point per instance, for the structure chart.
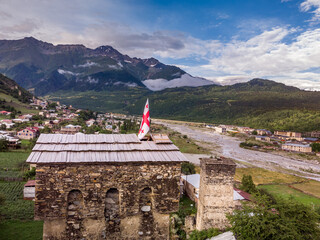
(147, 146)
(88, 138)
(77, 157)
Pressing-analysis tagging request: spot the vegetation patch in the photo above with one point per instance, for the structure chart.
(16, 229)
(310, 187)
(12, 164)
(286, 192)
(263, 176)
(14, 207)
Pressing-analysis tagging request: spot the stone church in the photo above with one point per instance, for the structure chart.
(106, 186)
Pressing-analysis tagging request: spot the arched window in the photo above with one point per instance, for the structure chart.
(75, 214)
(146, 220)
(112, 211)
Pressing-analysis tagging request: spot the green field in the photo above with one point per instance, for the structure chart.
(13, 159)
(21, 230)
(311, 187)
(15, 208)
(286, 192)
(19, 106)
(12, 163)
(263, 176)
(16, 214)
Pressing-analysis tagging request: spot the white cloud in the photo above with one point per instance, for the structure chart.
(88, 64)
(267, 55)
(308, 5)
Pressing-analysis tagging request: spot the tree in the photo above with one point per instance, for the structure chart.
(188, 168)
(315, 147)
(52, 105)
(254, 132)
(12, 115)
(3, 127)
(286, 219)
(247, 184)
(86, 115)
(3, 145)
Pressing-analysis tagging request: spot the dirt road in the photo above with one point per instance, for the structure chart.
(229, 147)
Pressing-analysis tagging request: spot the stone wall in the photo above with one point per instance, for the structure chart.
(104, 201)
(215, 193)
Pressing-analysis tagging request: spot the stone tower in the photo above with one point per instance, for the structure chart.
(215, 193)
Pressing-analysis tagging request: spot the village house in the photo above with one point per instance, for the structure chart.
(245, 130)
(290, 135)
(28, 133)
(264, 132)
(220, 129)
(5, 113)
(7, 122)
(90, 122)
(311, 140)
(105, 186)
(263, 138)
(314, 134)
(69, 129)
(296, 147)
(13, 142)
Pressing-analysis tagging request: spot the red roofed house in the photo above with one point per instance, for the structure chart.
(28, 133)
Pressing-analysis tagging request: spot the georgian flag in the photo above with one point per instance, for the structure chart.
(145, 123)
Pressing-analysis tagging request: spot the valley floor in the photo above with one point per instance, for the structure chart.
(229, 147)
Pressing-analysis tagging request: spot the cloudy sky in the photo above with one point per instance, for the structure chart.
(226, 41)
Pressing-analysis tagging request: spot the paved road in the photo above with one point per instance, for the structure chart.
(230, 148)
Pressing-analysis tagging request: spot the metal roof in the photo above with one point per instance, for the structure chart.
(81, 148)
(194, 180)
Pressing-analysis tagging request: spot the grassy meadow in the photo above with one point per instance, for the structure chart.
(286, 192)
(16, 214)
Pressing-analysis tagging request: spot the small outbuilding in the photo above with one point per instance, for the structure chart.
(29, 190)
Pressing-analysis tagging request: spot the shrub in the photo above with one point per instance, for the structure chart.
(188, 168)
(247, 184)
(204, 234)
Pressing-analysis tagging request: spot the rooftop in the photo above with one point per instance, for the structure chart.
(98, 148)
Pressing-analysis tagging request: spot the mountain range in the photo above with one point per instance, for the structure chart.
(45, 68)
(105, 80)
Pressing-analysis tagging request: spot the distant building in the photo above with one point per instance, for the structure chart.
(5, 113)
(246, 130)
(28, 133)
(70, 129)
(90, 122)
(221, 129)
(264, 132)
(263, 138)
(295, 147)
(311, 140)
(13, 142)
(290, 135)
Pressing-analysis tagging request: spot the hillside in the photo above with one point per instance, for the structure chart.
(258, 103)
(13, 97)
(45, 68)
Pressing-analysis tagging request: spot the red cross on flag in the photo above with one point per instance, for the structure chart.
(145, 123)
